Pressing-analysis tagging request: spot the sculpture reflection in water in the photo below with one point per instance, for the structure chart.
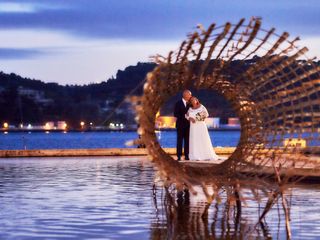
(180, 215)
(275, 91)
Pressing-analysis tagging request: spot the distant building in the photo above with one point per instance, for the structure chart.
(295, 142)
(213, 122)
(166, 122)
(60, 125)
(233, 121)
(107, 106)
(37, 96)
(170, 122)
(48, 126)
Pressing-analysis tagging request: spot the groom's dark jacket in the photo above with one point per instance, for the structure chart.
(179, 112)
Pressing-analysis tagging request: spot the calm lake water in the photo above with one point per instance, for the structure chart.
(113, 198)
(60, 140)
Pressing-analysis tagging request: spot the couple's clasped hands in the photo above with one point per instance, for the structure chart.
(190, 118)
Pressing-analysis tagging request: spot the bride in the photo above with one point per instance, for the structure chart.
(200, 147)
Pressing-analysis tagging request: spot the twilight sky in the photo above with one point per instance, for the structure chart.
(83, 41)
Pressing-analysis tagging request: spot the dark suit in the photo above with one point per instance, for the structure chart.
(183, 128)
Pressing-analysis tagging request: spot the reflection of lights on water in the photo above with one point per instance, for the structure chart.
(5, 132)
(64, 131)
(47, 132)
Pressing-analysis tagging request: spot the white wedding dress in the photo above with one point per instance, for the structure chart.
(200, 146)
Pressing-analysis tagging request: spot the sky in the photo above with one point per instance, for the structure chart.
(88, 41)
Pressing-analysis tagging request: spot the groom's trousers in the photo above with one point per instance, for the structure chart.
(183, 139)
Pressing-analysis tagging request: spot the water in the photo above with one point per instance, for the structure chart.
(70, 140)
(112, 198)
(75, 199)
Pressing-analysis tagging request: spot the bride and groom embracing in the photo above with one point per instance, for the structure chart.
(192, 130)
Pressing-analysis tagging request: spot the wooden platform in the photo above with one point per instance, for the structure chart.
(308, 174)
(225, 151)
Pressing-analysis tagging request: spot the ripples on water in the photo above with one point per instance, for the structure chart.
(112, 198)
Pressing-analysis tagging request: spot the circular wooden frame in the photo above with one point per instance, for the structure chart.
(270, 83)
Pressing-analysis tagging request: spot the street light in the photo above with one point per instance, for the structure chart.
(82, 124)
(5, 125)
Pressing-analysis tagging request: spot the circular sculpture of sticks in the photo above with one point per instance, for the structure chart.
(271, 85)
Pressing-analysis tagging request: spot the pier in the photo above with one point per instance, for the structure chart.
(224, 151)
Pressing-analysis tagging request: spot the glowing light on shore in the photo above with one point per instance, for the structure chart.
(47, 126)
(5, 125)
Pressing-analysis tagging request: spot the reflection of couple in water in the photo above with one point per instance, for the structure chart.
(179, 217)
(192, 130)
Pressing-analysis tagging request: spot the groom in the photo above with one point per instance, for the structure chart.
(182, 124)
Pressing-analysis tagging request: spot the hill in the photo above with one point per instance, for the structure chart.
(24, 100)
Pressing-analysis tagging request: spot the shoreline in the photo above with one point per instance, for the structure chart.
(100, 130)
(307, 175)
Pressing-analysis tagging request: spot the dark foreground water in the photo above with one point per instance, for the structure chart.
(60, 140)
(113, 198)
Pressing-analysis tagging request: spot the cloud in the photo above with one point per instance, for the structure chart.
(81, 41)
(89, 64)
(16, 6)
(9, 7)
(16, 53)
(157, 19)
